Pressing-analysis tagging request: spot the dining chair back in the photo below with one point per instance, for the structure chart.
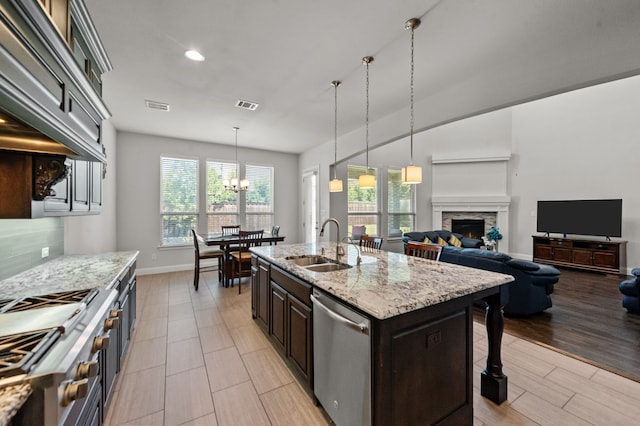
(241, 259)
(201, 255)
(370, 243)
(230, 229)
(424, 250)
(275, 231)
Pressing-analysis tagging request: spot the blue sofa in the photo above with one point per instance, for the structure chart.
(630, 290)
(529, 294)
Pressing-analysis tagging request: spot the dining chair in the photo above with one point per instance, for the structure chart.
(205, 255)
(241, 259)
(424, 250)
(370, 243)
(275, 230)
(230, 229)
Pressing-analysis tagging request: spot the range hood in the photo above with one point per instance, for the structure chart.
(49, 100)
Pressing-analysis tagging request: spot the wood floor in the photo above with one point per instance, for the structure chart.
(587, 320)
(197, 358)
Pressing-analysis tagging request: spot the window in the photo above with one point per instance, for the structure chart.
(178, 199)
(363, 208)
(259, 197)
(222, 205)
(400, 204)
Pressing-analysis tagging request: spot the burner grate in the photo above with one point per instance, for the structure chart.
(53, 299)
(19, 352)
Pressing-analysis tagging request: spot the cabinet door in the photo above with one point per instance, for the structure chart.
(95, 192)
(255, 293)
(562, 254)
(605, 259)
(582, 257)
(263, 297)
(111, 362)
(299, 327)
(543, 252)
(80, 190)
(124, 330)
(277, 326)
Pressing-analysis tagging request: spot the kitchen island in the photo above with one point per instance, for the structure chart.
(420, 315)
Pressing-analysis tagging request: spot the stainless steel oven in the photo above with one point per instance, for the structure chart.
(58, 343)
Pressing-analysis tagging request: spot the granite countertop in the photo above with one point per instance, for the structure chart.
(11, 399)
(64, 273)
(386, 284)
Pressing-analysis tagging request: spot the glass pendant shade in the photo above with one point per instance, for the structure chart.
(367, 181)
(244, 184)
(412, 174)
(335, 185)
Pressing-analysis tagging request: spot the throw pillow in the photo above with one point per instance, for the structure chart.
(442, 242)
(454, 241)
(427, 240)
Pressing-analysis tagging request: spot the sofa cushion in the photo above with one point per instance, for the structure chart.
(444, 234)
(486, 254)
(433, 236)
(523, 265)
(454, 241)
(415, 236)
(441, 242)
(470, 242)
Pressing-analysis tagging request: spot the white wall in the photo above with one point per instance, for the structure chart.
(581, 144)
(138, 193)
(97, 233)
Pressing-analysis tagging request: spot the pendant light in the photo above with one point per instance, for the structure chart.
(367, 180)
(232, 185)
(335, 185)
(411, 174)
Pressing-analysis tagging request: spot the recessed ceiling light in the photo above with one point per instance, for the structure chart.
(194, 55)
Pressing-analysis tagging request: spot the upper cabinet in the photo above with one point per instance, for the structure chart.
(52, 61)
(52, 160)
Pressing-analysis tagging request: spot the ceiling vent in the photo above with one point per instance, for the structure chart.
(251, 106)
(157, 105)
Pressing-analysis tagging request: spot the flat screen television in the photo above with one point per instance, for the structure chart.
(581, 217)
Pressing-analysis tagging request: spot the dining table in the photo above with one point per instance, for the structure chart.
(227, 243)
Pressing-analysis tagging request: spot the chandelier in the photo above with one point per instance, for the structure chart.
(232, 184)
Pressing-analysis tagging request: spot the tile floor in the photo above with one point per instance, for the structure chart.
(197, 358)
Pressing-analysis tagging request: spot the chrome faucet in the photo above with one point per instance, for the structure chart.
(339, 248)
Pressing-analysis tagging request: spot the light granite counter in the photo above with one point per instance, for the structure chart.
(65, 273)
(386, 284)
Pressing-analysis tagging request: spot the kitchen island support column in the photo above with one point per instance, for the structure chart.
(493, 382)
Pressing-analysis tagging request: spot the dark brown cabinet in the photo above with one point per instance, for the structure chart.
(260, 292)
(593, 255)
(281, 305)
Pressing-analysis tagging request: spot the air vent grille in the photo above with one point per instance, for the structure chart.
(251, 106)
(157, 105)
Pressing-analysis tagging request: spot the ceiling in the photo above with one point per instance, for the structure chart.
(470, 56)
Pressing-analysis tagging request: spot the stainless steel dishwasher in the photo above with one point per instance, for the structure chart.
(342, 361)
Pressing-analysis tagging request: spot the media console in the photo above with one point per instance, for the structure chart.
(581, 253)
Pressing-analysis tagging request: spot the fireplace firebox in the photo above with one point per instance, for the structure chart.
(469, 228)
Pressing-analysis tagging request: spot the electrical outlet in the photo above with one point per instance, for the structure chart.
(45, 252)
(154, 256)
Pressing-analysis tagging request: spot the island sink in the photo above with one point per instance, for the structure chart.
(317, 263)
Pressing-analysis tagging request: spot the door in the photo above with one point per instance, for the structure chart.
(310, 205)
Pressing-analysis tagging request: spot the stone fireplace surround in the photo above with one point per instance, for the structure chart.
(494, 211)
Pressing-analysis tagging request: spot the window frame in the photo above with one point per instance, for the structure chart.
(196, 214)
(377, 213)
(412, 211)
(237, 213)
(245, 213)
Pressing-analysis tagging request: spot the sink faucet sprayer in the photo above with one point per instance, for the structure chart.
(339, 248)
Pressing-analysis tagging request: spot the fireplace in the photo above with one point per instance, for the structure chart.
(469, 228)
